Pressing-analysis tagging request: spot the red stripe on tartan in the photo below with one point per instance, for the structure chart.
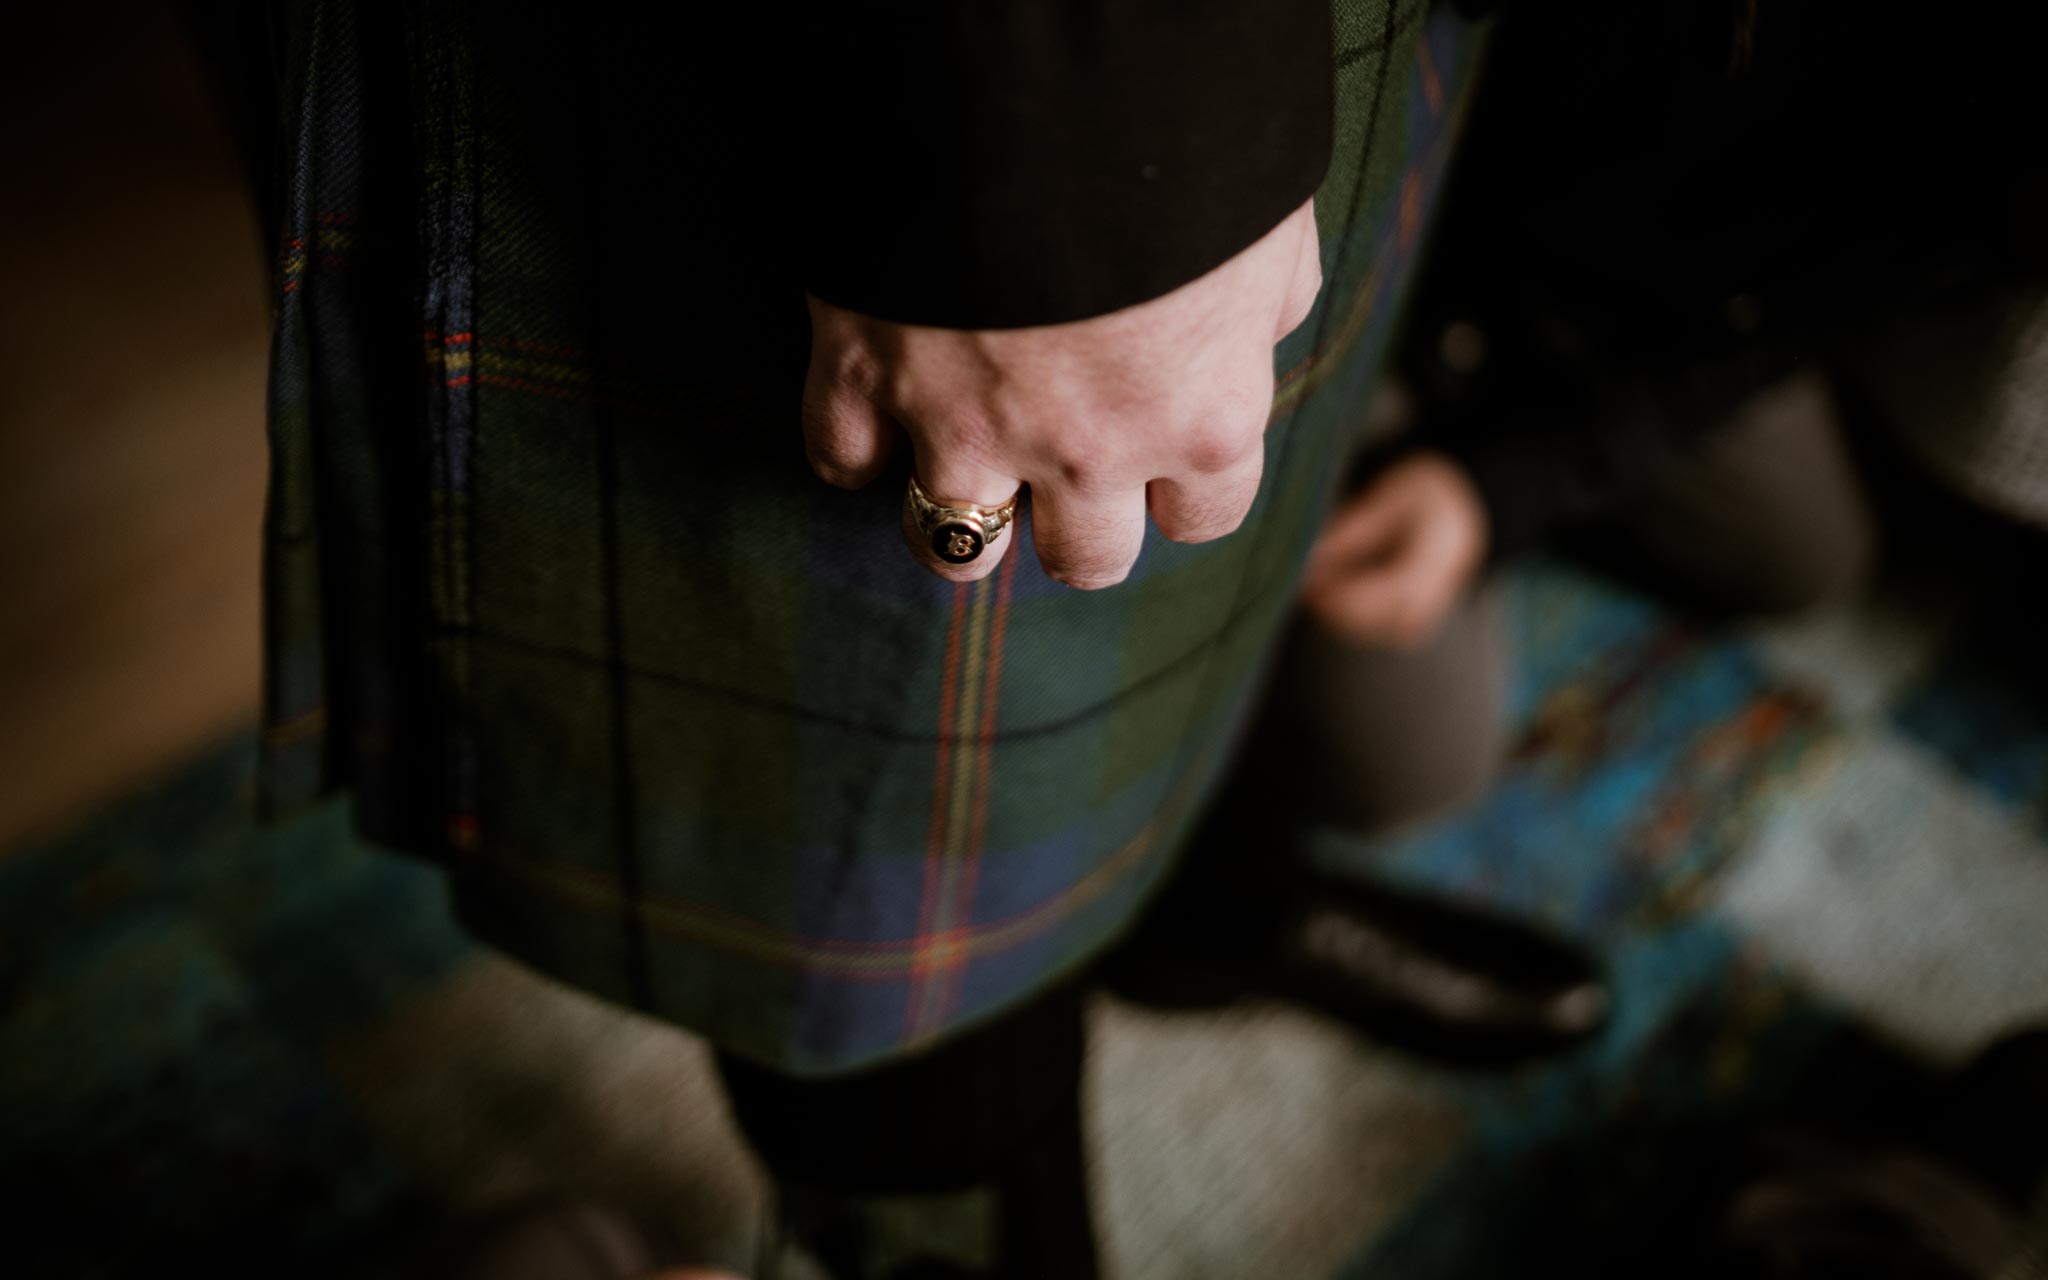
(1432, 84)
(1411, 209)
(517, 344)
(1298, 372)
(963, 897)
(935, 842)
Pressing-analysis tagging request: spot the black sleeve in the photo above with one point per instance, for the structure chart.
(999, 163)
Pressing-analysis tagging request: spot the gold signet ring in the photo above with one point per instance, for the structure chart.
(957, 532)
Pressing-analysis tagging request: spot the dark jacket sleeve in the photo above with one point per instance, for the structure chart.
(999, 163)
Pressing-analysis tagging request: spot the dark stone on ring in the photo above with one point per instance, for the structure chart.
(957, 541)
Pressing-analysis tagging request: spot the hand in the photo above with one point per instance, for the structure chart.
(1159, 407)
(1395, 558)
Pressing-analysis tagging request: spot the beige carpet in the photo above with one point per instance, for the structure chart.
(1255, 1142)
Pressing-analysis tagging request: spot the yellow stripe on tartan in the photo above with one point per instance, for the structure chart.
(943, 953)
(1317, 367)
(564, 372)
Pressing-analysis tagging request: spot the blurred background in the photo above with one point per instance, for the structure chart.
(1807, 835)
(134, 341)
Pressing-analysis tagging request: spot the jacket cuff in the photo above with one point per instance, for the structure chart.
(1032, 162)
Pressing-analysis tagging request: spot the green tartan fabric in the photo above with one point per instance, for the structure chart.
(553, 594)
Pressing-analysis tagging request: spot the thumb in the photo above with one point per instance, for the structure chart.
(1370, 527)
(1308, 274)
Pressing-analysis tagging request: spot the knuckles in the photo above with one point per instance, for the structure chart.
(1091, 438)
(1080, 464)
(839, 456)
(1217, 443)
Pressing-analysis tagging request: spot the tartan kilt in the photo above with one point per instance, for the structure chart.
(553, 595)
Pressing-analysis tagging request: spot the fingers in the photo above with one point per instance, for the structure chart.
(952, 475)
(846, 435)
(1370, 608)
(1366, 531)
(949, 476)
(1384, 572)
(1222, 457)
(1361, 578)
(1394, 601)
(1201, 508)
(1439, 564)
(1087, 538)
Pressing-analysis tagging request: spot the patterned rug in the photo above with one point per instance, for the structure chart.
(1815, 853)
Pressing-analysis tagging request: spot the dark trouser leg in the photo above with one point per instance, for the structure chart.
(1351, 736)
(1765, 515)
(1365, 738)
(972, 1151)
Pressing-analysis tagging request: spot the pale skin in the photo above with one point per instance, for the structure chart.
(1396, 557)
(1153, 412)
